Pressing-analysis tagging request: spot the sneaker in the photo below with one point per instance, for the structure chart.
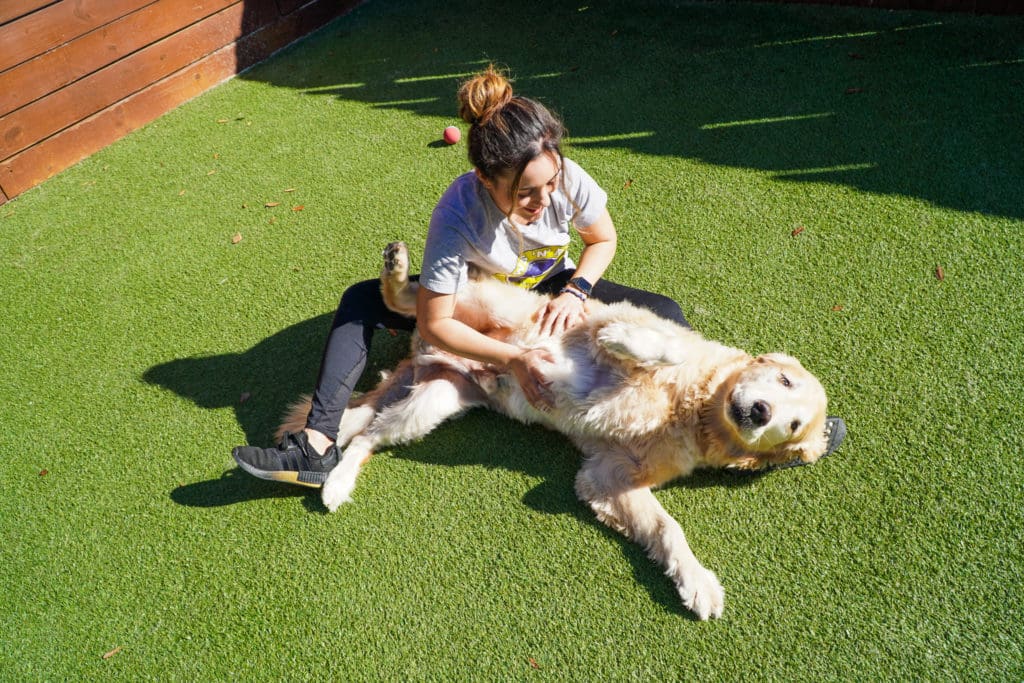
(293, 461)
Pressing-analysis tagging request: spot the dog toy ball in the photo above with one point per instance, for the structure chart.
(452, 135)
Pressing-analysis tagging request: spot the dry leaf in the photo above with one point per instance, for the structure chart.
(43, 473)
(244, 397)
(222, 120)
(534, 664)
(393, 333)
(180, 194)
(837, 307)
(628, 183)
(108, 655)
(854, 55)
(797, 231)
(236, 238)
(271, 205)
(853, 91)
(300, 207)
(940, 274)
(290, 189)
(211, 171)
(216, 155)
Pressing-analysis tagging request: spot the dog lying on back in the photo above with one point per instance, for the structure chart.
(644, 399)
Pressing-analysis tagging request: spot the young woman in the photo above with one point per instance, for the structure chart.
(511, 217)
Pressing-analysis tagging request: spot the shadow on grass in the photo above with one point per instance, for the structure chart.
(910, 103)
(276, 371)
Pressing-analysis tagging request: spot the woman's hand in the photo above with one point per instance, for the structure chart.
(561, 313)
(526, 367)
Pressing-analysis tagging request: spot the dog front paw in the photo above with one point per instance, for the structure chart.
(702, 593)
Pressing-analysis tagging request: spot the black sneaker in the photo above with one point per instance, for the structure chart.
(293, 461)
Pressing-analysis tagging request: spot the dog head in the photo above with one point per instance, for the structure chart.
(769, 411)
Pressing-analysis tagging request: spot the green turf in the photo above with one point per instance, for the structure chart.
(133, 325)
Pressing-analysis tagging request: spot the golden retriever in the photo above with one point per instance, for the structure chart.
(644, 399)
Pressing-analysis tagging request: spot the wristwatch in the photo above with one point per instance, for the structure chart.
(582, 285)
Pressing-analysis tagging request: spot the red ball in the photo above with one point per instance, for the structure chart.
(452, 135)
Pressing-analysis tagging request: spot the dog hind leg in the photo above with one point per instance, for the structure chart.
(603, 483)
(441, 394)
(399, 293)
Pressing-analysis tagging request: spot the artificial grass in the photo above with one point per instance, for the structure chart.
(135, 323)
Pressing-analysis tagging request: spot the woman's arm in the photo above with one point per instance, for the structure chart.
(437, 324)
(599, 242)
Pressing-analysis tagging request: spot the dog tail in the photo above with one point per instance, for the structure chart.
(295, 418)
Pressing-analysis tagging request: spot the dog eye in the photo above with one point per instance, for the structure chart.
(794, 425)
(785, 381)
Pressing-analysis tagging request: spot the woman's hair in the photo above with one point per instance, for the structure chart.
(506, 131)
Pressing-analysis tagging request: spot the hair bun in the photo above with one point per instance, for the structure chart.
(483, 95)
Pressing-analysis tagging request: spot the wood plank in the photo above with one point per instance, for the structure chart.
(55, 25)
(44, 117)
(53, 70)
(15, 9)
(36, 164)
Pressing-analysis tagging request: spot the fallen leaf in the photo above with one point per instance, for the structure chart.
(180, 194)
(300, 207)
(211, 171)
(393, 333)
(216, 155)
(628, 183)
(797, 231)
(43, 473)
(837, 307)
(854, 55)
(236, 238)
(853, 91)
(271, 205)
(244, 397)
(222, 120)
(534, 664)
(290, 189)
(108, 655)
(940, 274)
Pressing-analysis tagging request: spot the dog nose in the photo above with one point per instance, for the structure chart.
(760, 413)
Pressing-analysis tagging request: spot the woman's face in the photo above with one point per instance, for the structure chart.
(540, 178)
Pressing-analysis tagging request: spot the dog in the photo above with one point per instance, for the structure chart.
(644, 399)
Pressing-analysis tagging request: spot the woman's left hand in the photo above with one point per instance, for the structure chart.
(561, 313)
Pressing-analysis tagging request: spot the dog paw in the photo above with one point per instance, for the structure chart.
(702, 593)
(638, 344)
(335, 493)
(396, 261)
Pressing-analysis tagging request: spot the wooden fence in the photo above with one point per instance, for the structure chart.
(76, 75)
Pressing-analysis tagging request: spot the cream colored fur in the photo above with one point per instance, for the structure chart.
(645, 400)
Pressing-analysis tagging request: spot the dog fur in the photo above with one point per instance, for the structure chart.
(644, 399)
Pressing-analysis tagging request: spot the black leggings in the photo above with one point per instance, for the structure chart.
(362, 311)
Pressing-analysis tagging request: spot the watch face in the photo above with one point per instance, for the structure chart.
(581, 284)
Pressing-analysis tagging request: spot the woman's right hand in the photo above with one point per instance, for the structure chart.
(527, 369)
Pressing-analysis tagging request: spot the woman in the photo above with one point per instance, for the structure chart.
(511, 217)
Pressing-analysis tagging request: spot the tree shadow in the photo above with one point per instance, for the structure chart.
(909, 103)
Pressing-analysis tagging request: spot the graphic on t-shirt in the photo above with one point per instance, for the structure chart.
(533, 266)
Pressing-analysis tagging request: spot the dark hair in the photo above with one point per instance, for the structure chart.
(506, 131)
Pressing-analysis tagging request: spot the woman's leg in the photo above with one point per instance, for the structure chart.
(307, 457)
(360, 312)
(611, 292)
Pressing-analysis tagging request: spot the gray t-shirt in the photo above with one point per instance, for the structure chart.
(467, 229)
